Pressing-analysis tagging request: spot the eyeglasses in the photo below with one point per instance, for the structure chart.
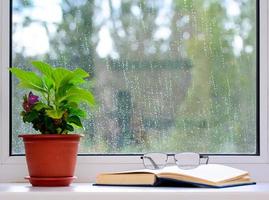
(186, 160)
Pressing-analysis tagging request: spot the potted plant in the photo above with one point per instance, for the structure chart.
(53, 108)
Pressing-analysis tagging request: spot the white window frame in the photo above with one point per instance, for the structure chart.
(13, 168)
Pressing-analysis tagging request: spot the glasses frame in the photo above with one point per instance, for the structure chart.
(201, 156)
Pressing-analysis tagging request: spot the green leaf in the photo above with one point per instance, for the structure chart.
(73, 104)
(44, 68)
(49, 126)
(75, 120)
(39, 106)
(48, 72)
(59, 130)
(78, 112)
(69, 127)
(30, 116)
(63, 90)
(55, 114)
(73, 78)
(78, 95)
(81, 73)
(28, 85)
(79, 76)
(28, 79)
(59, 74)
(48, 83)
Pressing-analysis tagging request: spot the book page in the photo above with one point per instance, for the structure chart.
(214, 173)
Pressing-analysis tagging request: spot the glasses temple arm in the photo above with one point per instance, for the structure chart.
(205, 157)
(151, 160)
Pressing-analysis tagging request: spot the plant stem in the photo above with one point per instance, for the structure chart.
(48, 99)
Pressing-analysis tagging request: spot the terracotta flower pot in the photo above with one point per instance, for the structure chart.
(51, 159)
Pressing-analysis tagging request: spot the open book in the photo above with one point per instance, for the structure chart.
(210, 175)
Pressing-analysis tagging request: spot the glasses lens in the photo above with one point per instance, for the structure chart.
(154, 160)
(187, 160)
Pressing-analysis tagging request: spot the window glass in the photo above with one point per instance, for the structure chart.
(169, 76)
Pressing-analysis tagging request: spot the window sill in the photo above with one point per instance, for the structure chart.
(81, 191)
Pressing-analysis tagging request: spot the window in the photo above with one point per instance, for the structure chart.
(169, 76)
(126, 74)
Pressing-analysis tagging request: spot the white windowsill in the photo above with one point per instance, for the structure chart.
(81, 191)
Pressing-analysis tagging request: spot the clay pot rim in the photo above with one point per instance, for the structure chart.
(50, 136)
